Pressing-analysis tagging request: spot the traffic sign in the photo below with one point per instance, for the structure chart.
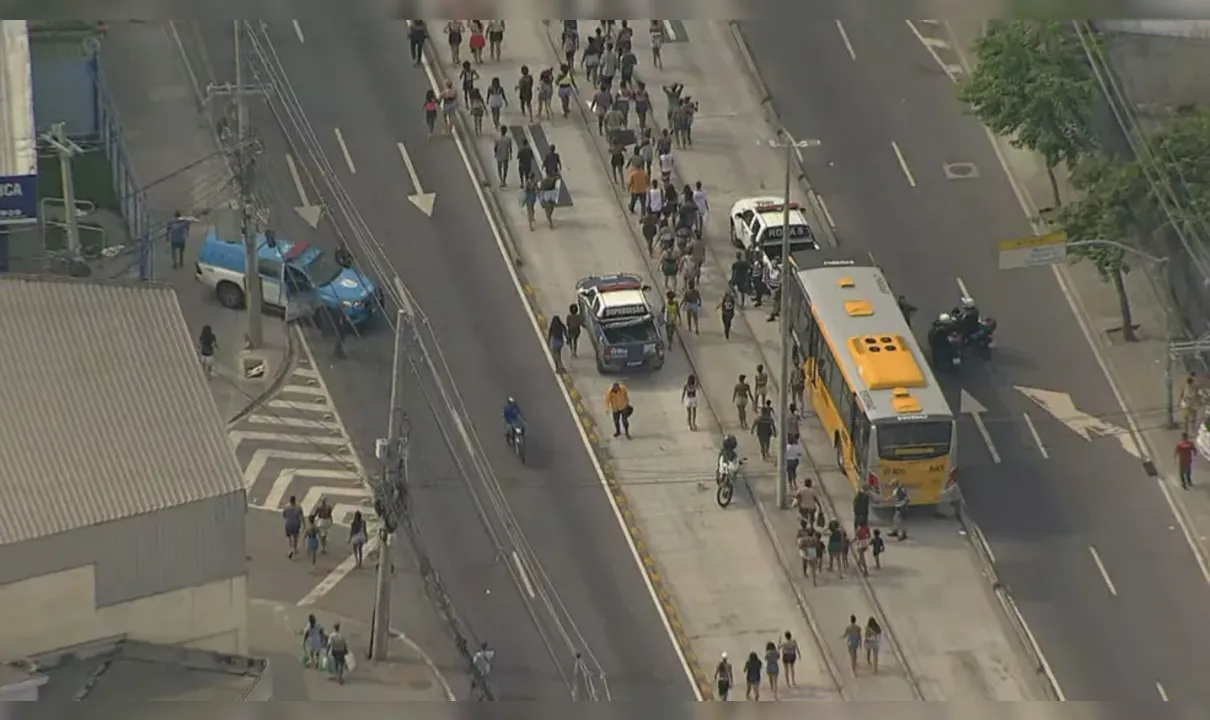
(1036, 251)
(18, 199)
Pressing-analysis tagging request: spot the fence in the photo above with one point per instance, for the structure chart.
(132, 198)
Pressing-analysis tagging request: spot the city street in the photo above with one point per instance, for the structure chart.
(1088, 546)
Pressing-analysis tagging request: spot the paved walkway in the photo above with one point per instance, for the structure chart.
(945, 637)
(277, 636)
(176, 156)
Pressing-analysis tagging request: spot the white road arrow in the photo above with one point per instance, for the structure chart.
(422, 200)
(260, 458)
(308, 212)
(281, 485)
(1087, 426)
(239, 436)
(968, 405)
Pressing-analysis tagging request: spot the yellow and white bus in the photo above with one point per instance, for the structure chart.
(868, 379)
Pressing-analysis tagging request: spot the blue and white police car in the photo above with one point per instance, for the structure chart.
(289, 271)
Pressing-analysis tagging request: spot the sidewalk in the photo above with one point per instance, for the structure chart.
(937, 602)
(276, 636)
(1137, 369)
(176, 156)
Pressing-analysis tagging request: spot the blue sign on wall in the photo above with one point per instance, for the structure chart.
(18, 198)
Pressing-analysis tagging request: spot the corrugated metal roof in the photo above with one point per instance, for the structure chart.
(104, 411)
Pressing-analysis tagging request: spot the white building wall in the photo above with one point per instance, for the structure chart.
(58, 610)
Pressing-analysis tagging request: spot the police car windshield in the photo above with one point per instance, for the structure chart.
(321, 268)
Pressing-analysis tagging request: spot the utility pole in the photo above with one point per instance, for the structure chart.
(783, 311)
(393, 452)
(255, 297)
(67, 150)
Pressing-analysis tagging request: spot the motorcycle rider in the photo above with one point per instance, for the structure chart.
(966, 317)
(513, 420)
(938, 339)
(727, 455)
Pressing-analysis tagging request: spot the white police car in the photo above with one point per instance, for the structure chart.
(757, 224)
(290, 271)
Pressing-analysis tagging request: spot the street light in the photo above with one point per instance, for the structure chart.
(791, 146)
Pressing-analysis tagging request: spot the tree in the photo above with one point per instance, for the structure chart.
(1033, 83)
(1116, 205)
(1179, 155)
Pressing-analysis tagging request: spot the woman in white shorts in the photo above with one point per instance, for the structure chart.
(689, 398)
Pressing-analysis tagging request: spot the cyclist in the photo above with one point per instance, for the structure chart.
(513, 419)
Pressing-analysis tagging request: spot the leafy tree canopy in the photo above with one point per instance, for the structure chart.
(1180, 155)
(1033, 83)
(1115, 204)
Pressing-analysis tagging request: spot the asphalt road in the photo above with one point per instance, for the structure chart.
(1041, 515)
(352, 73)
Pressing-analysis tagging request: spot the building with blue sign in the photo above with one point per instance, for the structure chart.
(18, 137)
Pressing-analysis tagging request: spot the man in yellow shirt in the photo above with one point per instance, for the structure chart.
(637, 184)
(617, 402)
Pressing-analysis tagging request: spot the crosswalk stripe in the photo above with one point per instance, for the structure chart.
(318, 407)
(306, 372)
(281, 485)
(262, 457)
(306, 390)
(240, 436)
(294, 422)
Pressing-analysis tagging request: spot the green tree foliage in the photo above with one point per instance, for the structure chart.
(1180, 159)
(1032, 83)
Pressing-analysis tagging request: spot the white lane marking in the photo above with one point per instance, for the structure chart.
(903, 163)
(407, 161)
(1160, 689)
(571, 406)
(827, 214)
(950, 71)
(1096, 558)
(669, 29)
(298, 31)
(529, 588)
(1060, 273)
(844, 37)
(297, 178)
(962, 289)
(405, 298)
(344, 150)
(1037, 438)
(340, 572)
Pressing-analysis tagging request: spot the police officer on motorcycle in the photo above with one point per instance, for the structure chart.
(966, 316)
(939, 339)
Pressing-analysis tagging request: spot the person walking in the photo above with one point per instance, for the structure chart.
(525, 160)
(760, 386)
(357, 537)
(793, 459)
(529, 197)
(689, 400)
(311, 540)
(503, 151)
(692, 299)
(861, 507)
(430, 111)
(764, 429)
(207, 343)
(771, 669)
(338, 648)
(453, 35)
(852, 637)
(418, 35)
(726, 310)
(873, 642)
(835, 548)
(806, 499)
(496, 101)
(617, 403)
(449, 106)
(862, 540)
(178, 234)
(789, 656)
(877, 548)
(495, 39)
(742, 397)
(1185, 452)
(314, 641)
(637, 185)
(525, 93)
(1191, 402)
(724, 677)
(752, 670)
(556, 335)
(548, 195)
(574, 323)
(899, 501)
(478, 41)
(292, 516)
(741, 276)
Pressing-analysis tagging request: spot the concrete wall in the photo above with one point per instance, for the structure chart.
(60, 610)
(1199, 29)
(151, 554)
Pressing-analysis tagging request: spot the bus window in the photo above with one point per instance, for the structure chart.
(916, 440)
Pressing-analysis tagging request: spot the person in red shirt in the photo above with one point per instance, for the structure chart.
(1185, 451)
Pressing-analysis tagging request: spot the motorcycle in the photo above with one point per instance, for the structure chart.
(983, 339)
(947, 350)
(725, 477)
(516, 440)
